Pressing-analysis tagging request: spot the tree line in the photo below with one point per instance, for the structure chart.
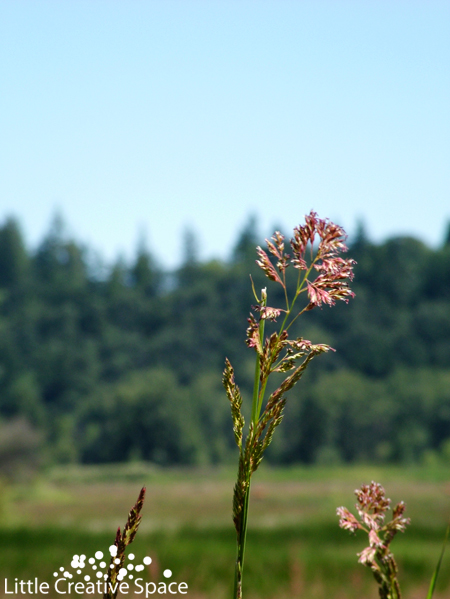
(121, 363)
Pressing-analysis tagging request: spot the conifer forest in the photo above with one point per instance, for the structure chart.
(107, 364)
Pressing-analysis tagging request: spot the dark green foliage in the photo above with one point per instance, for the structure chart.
(20, 446)
(146, 416)
(347, 416)
(127, 362)
(14, 261)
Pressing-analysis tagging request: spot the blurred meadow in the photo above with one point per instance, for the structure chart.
(295, 547)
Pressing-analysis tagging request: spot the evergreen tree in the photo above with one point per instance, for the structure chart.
(447, 235)
(190, 248)
(144, 273)
(14, 261)
(248, 239)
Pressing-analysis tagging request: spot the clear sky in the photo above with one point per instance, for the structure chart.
(160, 115)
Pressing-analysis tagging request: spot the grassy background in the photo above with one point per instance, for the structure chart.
(295, 547)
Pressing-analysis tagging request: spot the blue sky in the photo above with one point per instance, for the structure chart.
(155, 116)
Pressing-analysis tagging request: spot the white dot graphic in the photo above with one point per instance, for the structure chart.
(167, 573)
(130, 576)
(130, 567)
(87, 577)
(113, 550)
(139, 568)
(82, 557)
(147, 560)
(91, 560)
(61, 569)
(102, 564)
(122, 572)
(55, 573)
(99, 574)
(117, 560)
(98, 554)
(94, 567)
(131, 556)
(78, 571)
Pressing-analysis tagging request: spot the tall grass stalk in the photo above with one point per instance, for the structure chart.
(322, 278)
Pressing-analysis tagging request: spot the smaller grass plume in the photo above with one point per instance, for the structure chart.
(372, 505)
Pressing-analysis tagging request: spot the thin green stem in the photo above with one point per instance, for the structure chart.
(256, 404)
(300, 290)
(262, 392)
(285, 290)
(239, 570)
(256, 390)
(259, 388)
(295, 318)
(256, 409)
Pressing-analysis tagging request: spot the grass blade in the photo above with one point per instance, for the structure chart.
(436, 572)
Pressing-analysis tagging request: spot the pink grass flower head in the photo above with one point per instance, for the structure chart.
(334, 272)
(372, 504)
(316, 248)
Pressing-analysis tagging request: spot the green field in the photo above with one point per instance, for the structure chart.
(295, 547)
